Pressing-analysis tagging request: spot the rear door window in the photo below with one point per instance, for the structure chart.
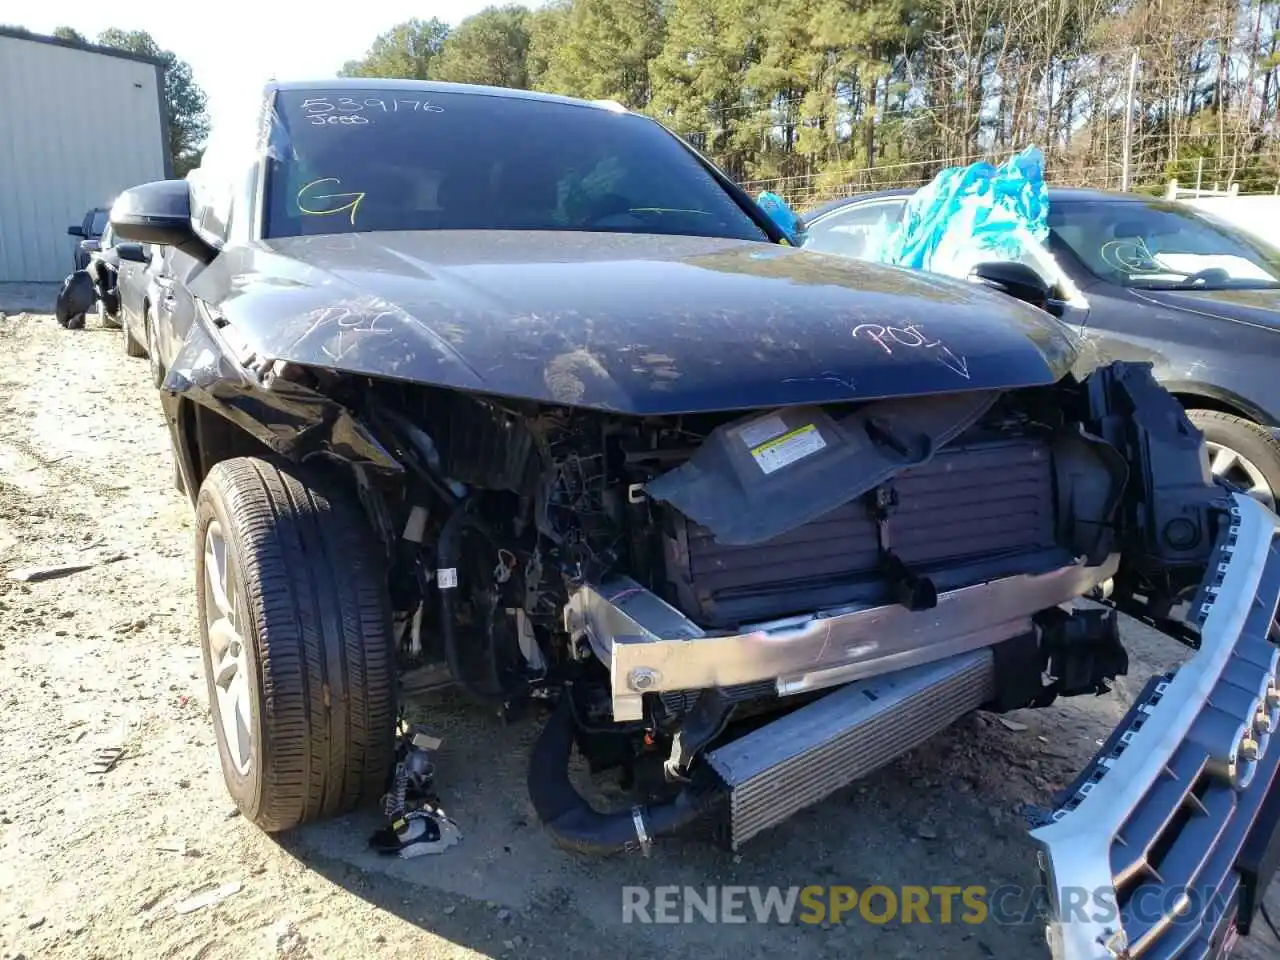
(854, 231)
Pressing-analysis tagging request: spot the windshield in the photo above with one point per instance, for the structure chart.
(98, 223)
(1163, 245)
(350, 160)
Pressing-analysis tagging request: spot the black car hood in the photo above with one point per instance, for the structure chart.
(632, 323)
(1260, 307)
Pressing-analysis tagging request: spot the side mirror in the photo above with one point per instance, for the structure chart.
(160, 212)
(76, 231)
(1019, 281)
(91, 246)
(132, 251)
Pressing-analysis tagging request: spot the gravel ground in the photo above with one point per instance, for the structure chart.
(104, 865)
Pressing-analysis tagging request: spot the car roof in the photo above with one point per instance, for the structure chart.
(439, 86)
(856, 198)
(1056, 195)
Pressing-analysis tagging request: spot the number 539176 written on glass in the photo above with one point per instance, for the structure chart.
(335, 107)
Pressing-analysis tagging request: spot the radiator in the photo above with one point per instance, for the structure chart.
(969, 502)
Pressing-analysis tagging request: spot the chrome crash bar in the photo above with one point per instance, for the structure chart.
(653, 648)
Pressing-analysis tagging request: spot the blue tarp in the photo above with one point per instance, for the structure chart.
(966, 215)
(782, 215)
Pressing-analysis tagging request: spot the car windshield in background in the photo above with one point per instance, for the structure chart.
(99, 222)
(1162, 245)
(350, 160)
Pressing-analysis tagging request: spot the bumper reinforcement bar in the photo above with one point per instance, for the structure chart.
(653, 648)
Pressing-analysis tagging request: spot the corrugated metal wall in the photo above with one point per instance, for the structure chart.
(76, 128)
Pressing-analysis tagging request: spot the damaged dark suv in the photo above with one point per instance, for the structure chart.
(523, 390)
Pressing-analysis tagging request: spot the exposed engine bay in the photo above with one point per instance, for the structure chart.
(670, 582)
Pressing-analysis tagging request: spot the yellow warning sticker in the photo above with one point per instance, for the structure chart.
(788, 448)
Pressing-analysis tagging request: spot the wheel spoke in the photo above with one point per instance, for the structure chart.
(221, 639)
(225, 675)
(228, 659)
(219, 583)
(1241, 472)
(241, 719)
(1223, 461)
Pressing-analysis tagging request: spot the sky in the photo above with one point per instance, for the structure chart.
(234, 46)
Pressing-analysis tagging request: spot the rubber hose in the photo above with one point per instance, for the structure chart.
(572, 821)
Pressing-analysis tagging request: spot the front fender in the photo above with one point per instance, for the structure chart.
(287, 417)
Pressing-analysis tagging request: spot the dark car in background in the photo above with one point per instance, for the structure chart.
(90, 232)
(1162, 282)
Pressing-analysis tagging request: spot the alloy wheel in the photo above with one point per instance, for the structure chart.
(228, 656)
(1241, 472)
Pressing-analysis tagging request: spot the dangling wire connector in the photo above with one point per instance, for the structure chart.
(418, 825)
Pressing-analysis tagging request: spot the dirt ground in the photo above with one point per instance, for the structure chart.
(105, 865)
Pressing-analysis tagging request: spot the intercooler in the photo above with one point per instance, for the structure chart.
(970, 502)
(801, 758)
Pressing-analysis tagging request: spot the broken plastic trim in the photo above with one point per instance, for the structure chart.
(1140, 772)
(761, 476)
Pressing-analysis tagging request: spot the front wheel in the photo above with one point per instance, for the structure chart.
(295, 629)
(1242, 452)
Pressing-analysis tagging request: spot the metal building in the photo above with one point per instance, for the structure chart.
(78, 124)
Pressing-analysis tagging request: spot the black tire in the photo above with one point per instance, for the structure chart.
(1249, 439)
(317, 631)
(132, 348)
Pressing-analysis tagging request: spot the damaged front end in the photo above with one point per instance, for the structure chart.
(743, 612)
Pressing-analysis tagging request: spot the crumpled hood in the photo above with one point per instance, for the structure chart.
(631, 323)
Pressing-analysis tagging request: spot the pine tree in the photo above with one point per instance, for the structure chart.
(491, 47)
(605, 51)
